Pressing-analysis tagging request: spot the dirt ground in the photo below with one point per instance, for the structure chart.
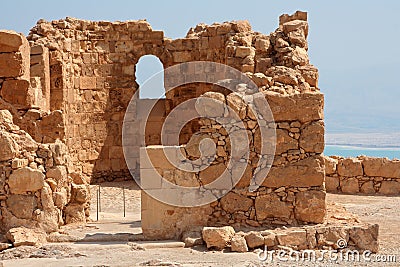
(374, 209)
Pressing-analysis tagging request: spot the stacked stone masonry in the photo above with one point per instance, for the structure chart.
(64, 92)
(363, 174)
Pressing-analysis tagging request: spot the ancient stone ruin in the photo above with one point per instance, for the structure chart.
(65, 90)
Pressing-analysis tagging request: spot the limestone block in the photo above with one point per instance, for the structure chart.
(283, 75)
(210, 105)
(283, 142)
(58, 173)
(21, 206)
(211, 173)
(21, 236)
(270, 206)
(331, 184)
(237, 104)
(87, 82)
(368, 188)
(312, 137)
(366, 237)
(218, 237)
(60, 198)
(238, 244)
(330, 165)
(349, 186)
(299, 15)
(11, 41)
(381, 167)
(9, 148)
(14, 65)
(310, 74)
(294, 238)
(303, 107)
(296, 25)
(254, 239)
(304, 173)
(25, 179)
(75, 213)
(233, 202)
(80, 193)
(390, 188)
(349, 167)
(263, 64)
(244, 51)
(18, 92)
(180, 57)
(310, 206)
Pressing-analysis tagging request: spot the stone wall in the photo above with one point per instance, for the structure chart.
(92, 72)
(36, 189)
(363, 174)
(293, 193)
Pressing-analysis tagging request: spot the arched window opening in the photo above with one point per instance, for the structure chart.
(150, 86)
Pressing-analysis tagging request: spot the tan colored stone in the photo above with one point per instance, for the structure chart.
(298, 15)
(330, 165)
(368, 188)
(331, 184)
(12, 65)
(310, 206)
(21, 206)
(349, 167)
(9, 148)
(25, 179)
(269, 238)
(18, 92)
(283, 75)
(294, 238)
(60, 198)
(58, 173)
(366, 237)
(304, 173)
(87, 82)
(243, 51)
(284, 142)
(218, 237)
(312, 137)
(381, 167)
(254, 240)
(192, 147)
(238, 244)
(21, 236)
(349, 186)
(238, 105)
(75, 213)
(296, 25)
(192, 238)
(303, 107)
(80, 193)
(270, 206)
(211, 105)
(211, 173)
(310, 74)
(390, 188)
(11, 41)
(233, 202)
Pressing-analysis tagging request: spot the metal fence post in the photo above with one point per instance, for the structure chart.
(123, 196)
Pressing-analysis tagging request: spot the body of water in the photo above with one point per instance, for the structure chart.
(354, 151)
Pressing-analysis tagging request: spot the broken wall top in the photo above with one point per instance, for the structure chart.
(277, 62)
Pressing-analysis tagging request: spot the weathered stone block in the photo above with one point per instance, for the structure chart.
(390, 188)
(304, 173)
(25, 179)
(271, 206)
(349, 167)
(11, 41)
(238, 244)
(21, 236)
(303, 107)
(381, 167)
(350, 186)
(218, 237)
(310, 206)
(9, 148)
(312, 137)
(233, 202)
(21, 206)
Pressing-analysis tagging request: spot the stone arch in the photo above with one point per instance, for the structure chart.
(148, 66)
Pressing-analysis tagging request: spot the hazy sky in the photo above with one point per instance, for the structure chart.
(355, 44)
